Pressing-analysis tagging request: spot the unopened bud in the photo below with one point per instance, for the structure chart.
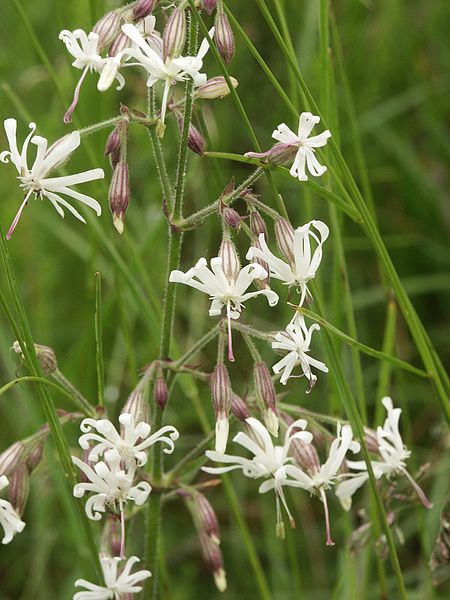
(121, 42)
(174, 35)
(231, 217)
(119, 194)
(223, 36)
(213, 558)
(19, 487)
(257, 224)
(10, 458)
(143, 8)
(137, 405)
(34, 456)
(221, 397)
(107, 28)
(239, 407)
(371, 440)
(284, 233)
(266, 396)
(230, 260)
(195, 139)
(207, 517)
(305, 455)
(112, 146)
(217, 87)
(209, 5)
(45, 355)
(161, 392)
(110, 540)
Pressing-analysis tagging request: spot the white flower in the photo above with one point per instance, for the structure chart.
(36, 180)
(85, 49)
(170, 71)
(305, 263)
(9, 519)
(225, 291)
(295, 340)
(268, 460)
(131, 445)
(305, 156)
(115, 585)
(394, 454)
(111, 485)
(323, 477)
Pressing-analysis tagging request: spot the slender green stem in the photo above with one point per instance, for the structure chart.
(158, 154)
(199, 344)
(99, 340)
(384, 375)
(99, 126)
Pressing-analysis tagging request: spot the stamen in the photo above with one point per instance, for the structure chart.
(419, 491)
(18, 215)
(76, 96)
(122, 532)
(327, 517)
(230, 338)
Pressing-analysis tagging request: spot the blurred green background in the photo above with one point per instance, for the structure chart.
(396, 53)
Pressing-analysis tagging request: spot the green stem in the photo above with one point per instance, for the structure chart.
(99, 340)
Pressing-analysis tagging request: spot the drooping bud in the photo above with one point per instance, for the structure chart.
(107, 28)
(217, 87)
(142, 9)
(121, 42)
(207, 518)
(174, 35)
(137, 405)
(161, 392)
(19, 487)
(239, 407)
(305, 455)
(266, 396)
(231, 217)
(45, 355)
(10, 458)
(213, 558)
(284, 233)
(209, 5)
(119, 194)
(220, 386)
(110, 540)
(257, 224)
(112, 146)
(34, 456)
(230, 260)
(223, 36)
(195, 139)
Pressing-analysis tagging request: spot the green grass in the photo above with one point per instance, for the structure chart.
(383, 91)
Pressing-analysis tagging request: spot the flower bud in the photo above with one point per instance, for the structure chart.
(209, 5)
(217, 87)
(305, 455)
(142, 9)
(277, 155)
(161, 392)
(137, 405)
(112, 146)
(174, 35)
(257, 224)
(231, 217)
(107, 28)
(230, 260)
(121, 42)
(119, 194)
(213, 558)
(221, 397)
(10, 458)
(35, 455)
(195, 139)
(207, 517)
(266, 396)
(284, 233)
(223, 36)
(45, 355)
(19, 487)
(239, 407)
